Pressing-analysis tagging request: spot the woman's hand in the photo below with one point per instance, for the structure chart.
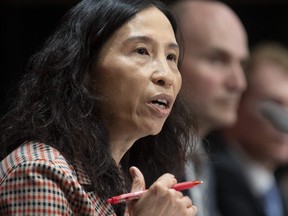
(160, 199)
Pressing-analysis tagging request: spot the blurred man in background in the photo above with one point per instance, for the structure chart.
(213, 80)
(256, 145)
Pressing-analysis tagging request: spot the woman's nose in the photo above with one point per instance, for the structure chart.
(163, 76)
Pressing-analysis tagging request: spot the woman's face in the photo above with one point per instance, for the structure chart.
(137, 76)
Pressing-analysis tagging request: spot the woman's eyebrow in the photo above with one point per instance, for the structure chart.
(147, 39)
(140, 38)
(173, 46)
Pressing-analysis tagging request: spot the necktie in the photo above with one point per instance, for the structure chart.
(272, 202)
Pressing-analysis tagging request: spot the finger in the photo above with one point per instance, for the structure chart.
(165, 181)
(175, 193)
(194, 210)
(187, 202)
(138, 181)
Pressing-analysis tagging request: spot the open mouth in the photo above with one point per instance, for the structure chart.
(162, 103)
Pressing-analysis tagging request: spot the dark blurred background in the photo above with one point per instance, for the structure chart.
(25, 24)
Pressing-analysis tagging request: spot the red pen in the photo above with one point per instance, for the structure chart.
(135, 195)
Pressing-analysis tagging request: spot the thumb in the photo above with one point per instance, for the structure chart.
(138, 181)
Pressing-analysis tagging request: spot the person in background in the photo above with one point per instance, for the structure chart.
(255, 146)
(216, 49)
(282, 180)
(105, 81)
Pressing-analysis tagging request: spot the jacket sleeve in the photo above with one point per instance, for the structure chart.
(37, 188)
(47, 187)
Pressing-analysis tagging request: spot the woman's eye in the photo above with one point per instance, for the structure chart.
(172, 57)
(142, 51)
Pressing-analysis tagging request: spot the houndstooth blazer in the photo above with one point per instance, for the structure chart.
(35, 179)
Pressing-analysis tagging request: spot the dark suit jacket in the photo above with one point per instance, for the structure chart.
(233, 195)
